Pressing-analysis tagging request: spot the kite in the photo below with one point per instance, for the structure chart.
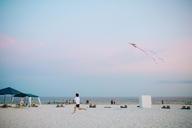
(153, 55)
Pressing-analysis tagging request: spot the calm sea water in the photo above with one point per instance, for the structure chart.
(106, 100)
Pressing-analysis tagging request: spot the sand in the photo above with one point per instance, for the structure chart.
(48, 116)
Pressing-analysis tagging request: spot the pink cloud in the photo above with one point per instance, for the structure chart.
(6, 41)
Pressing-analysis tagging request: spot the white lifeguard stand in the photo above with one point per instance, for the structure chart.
(145, 101)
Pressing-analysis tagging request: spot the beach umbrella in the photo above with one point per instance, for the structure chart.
(8, 91)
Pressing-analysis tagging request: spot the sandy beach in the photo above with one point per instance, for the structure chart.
(48, 116)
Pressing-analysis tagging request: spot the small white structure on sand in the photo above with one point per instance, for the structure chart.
(145, 101)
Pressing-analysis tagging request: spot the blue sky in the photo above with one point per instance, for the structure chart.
(57, 48)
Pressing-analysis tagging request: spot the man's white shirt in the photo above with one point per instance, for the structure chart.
(77, 100)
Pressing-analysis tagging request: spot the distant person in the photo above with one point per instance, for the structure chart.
(162, 101)
(87, 101)
(111, 101)
(77, 103)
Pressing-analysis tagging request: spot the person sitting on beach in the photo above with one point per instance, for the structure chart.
(34, 105)
(21, 103)
(125, 106)
(92, 105)
(77, 103)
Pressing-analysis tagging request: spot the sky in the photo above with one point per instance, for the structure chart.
(60, 47)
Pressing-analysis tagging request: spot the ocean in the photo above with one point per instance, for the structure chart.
(105, 100)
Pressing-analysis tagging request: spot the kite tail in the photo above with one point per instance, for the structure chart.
(146, 53)
(142, 50)
(156, 56)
